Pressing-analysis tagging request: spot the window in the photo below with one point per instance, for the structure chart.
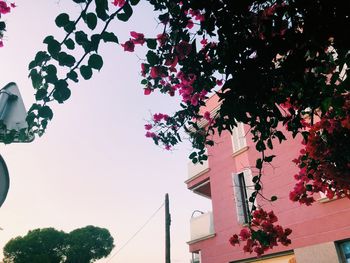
(344, 249)
(243, 189)
(238, 138)
(196, 257)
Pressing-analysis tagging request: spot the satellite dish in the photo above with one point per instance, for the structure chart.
(4, 181)
(13, 113)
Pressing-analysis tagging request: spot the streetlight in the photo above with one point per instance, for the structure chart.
(12, 120)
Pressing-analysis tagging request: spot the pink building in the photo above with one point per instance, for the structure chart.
(321, 232)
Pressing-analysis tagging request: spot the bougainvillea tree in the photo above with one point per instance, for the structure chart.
(277, 65)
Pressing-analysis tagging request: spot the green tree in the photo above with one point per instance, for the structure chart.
(45, 245)
(88, 244)
(48, 245)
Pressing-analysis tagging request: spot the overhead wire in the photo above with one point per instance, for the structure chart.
(135, 234)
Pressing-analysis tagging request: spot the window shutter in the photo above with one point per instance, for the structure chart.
(238, 199)
(248, 178)
(238, 137)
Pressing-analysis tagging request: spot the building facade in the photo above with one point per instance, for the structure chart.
(321, 232)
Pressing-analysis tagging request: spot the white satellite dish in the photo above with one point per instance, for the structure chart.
(13, 113)
(4, 181)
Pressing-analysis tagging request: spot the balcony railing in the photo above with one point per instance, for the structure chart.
(197, 169)
(202, 227)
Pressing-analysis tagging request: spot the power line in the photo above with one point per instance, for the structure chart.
(134, 235)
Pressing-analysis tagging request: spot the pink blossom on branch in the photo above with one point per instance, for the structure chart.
(119, 3)
(4, 8)
(139, 38)
(262, 235)
(128, 46)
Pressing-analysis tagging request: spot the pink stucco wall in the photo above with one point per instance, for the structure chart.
(319, 223)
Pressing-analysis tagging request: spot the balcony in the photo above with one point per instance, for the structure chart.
(202, 227)
(196, 170)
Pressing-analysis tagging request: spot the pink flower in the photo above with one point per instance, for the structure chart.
(128, 46)
(219, 82)
(156, 72)
(207, 116)
(245, 234)
(147, 91)
(143, 69)
(171, 61)
(194, 99)
(4, 8)
(161, 38)
(148, 127)
(167, 147)
(1, 43)
(204, 41)
(118, 3)
(13, 5)
(150, 134)
(234, 240)
(183, 49)
(157, 117)
(189, 24)
(138, 38)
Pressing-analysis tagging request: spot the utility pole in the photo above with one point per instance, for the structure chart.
(167, 229)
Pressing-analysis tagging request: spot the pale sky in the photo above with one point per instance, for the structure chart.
(94, 165)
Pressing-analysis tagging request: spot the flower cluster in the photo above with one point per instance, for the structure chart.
(263, 234)
(4, 9)
(118, 3)
(137, 38)
(324, 163)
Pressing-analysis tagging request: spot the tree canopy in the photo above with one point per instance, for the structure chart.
(277, 65)
(48, 245)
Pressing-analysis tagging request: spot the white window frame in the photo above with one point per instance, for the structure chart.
(238, 139)
(243, 189)
(196, 257)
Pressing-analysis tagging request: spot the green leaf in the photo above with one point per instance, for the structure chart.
(69, 43)
(95, 61)
(53, 47)
(81, 37)
(32, 65)
(257, 187)
(40, 58)
(101, 8)
(65, 59)
(95, 41)
(36, 78)
(86, 72)
(280, 136)
(152, 58)
(260, 146)
(51, 71)
(192, 155)
(45, 112)
(40, 94)
(134, 2)
(109, 37)
(151, 43)
(259, 163)
(69, 27)
(269, 159)
(91, 20)
(2, 26)
(62, 92)
(273, 198)
(62, 19)
(72, 75)
(127, 13)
